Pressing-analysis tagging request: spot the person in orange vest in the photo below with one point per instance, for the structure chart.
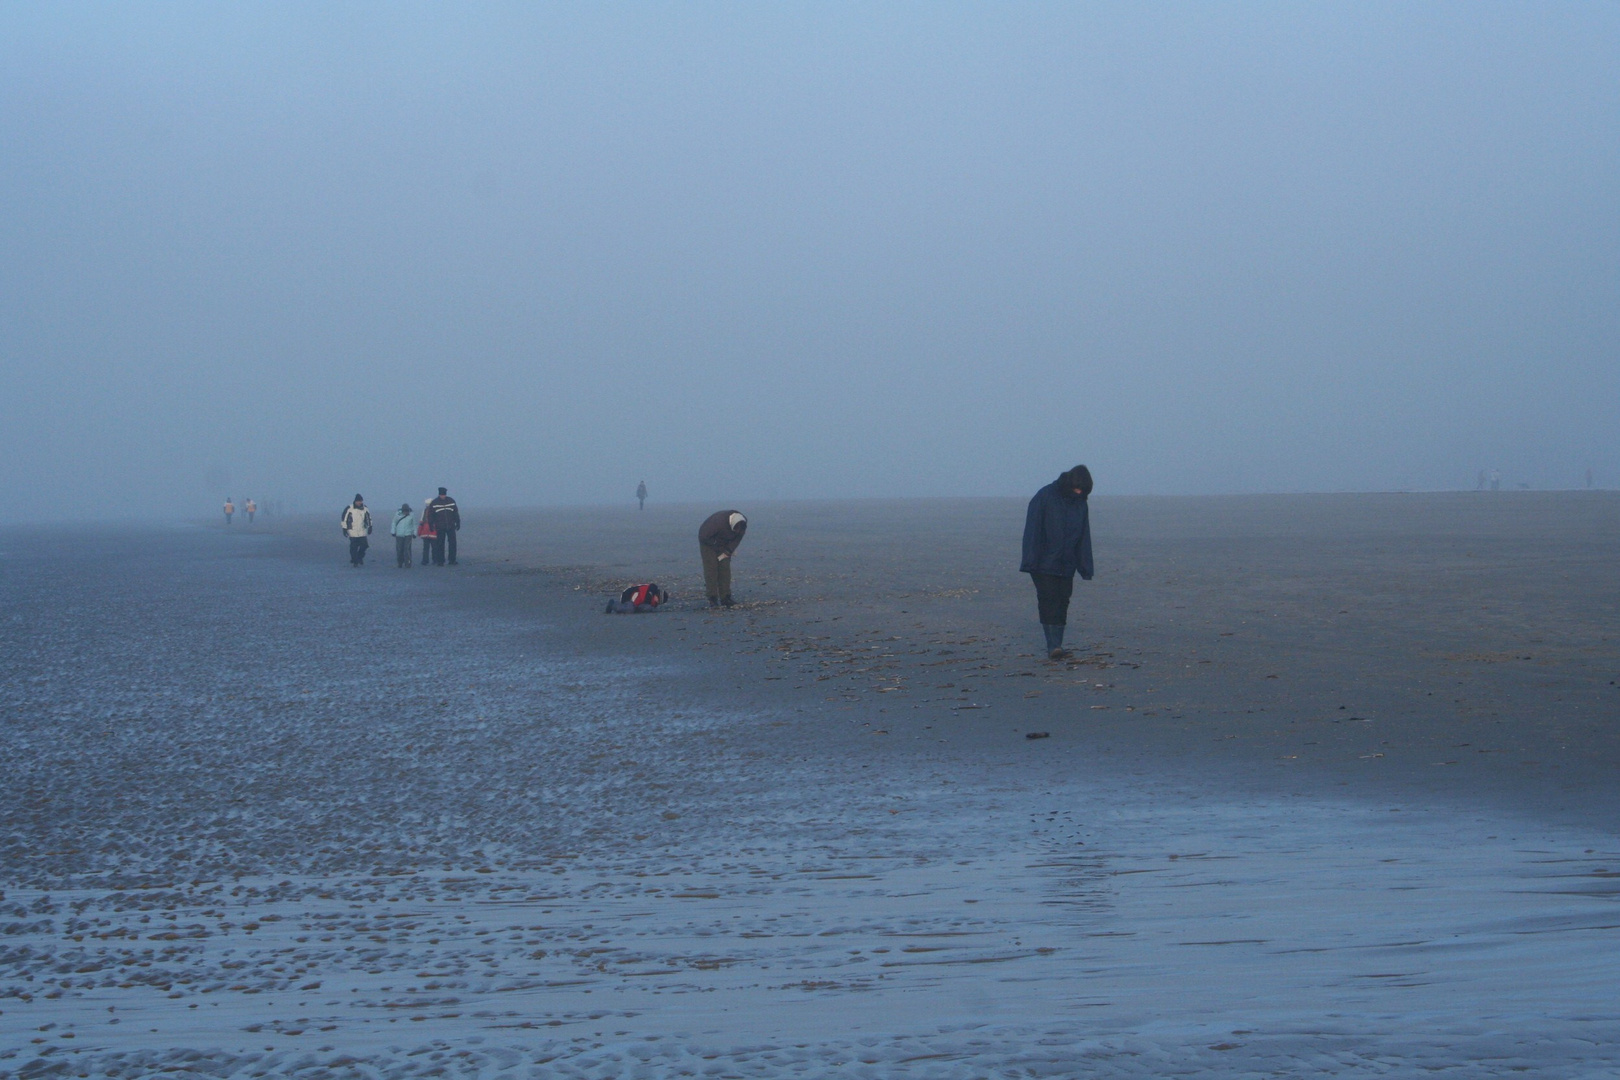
(252, 508)
(230, 508)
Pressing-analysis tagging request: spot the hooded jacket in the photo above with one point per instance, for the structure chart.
(404, 524)
(356, 522)
(716, 532)
(1057, 533)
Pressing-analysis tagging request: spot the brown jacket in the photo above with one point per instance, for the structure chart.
(716, 532)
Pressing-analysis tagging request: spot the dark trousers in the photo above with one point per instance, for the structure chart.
(357, 549)
(445, 537)
(1052, 594)
(402, 551)
(427, 550)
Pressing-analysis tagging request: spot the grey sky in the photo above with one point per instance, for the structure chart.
(540, 253)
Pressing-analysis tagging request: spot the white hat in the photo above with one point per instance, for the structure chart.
(736, 520)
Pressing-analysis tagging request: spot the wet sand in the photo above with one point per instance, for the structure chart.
(1462, 645)
(272, 816)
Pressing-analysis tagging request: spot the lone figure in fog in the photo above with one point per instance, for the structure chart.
(641, 495)
(357, 527)
(718, 538)
(1057, 544)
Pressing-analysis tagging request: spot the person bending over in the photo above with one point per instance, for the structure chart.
(1057, 544)
(718, 538)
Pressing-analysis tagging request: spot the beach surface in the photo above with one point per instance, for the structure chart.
(1329, 787)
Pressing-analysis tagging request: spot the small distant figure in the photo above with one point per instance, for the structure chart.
(1057, 544)
(403, 530)
(446, 523)
(357, 527)
(641, 494)
(1496, 480)
(230, 509)
(424, 529)
(718, 538)
(252, 508)
(1481, 486)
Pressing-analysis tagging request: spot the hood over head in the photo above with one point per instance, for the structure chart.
(1078, 477)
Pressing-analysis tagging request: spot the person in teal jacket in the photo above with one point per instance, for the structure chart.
(403, 531)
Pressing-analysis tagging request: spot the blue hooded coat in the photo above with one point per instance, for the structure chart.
(1057, 533)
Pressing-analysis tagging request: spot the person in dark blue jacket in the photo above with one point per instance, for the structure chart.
(1057, 543)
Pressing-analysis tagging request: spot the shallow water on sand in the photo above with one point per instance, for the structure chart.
(266, 816)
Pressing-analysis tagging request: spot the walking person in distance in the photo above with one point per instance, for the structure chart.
(403, 531)
(357, 527)
(641, 495)
(446, 523)
(230, 508)
(1057, 545)
(718, 538)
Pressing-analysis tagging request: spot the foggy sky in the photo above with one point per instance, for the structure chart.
(751, 251)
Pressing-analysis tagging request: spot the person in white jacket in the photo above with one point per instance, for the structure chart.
(403, 531)
(357, 527)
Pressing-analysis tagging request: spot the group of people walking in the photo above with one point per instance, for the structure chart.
(436, 528)
(249, 507)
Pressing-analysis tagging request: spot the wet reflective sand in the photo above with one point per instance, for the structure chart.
(269, 816)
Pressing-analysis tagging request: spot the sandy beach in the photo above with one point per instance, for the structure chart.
(1328, 788)
(1463, 644)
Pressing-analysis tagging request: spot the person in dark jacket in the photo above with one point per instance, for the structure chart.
(446, 523)
(718, 538)
(1057, 544)
(641, 495)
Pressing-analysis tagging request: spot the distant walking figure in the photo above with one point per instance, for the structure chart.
(424, 529)
(252, 508)
(230, 508)
(403, 531)
(1496, 480)
(1057, 543)
(641, 495)
(357, 526)
(446, 523)
(718, 538)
